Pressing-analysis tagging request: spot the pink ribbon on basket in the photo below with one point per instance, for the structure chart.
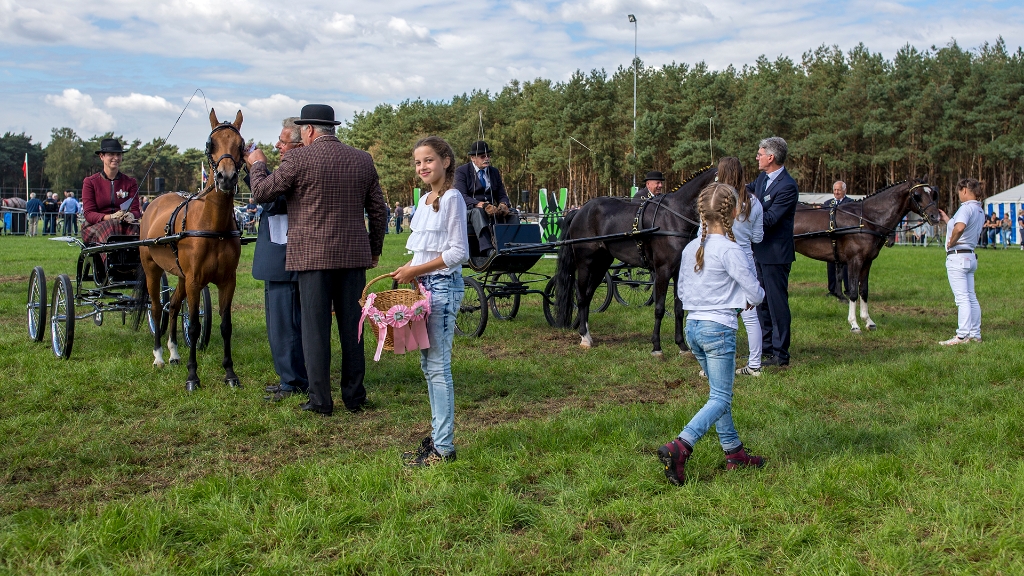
(408, 324)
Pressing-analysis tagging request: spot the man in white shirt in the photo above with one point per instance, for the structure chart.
(962, 262)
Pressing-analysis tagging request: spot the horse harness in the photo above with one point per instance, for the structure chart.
(183, 233)
(638, 219)
(834, 232)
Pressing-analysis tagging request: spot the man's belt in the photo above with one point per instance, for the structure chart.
(960, 251)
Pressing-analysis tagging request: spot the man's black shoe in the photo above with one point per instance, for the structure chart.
(272, 388)
(365, 405)
(310, 407)
(768, 360)
(280, 395)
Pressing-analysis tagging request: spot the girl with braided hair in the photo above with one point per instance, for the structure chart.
(715, 283)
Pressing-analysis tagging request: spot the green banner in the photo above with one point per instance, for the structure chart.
(633, 191)
(415, 196)
(551, 208)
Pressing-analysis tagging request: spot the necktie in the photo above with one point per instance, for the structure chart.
(482, 179)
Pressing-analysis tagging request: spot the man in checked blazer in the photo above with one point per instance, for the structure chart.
(327, 186)
(775, 254)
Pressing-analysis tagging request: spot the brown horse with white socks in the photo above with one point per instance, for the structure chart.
(205, 251)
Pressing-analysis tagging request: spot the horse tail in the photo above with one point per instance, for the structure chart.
(140, 296)
(565, 277)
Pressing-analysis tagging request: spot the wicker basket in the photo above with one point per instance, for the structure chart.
(386, 300)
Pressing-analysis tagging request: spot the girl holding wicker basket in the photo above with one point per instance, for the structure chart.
(440, 246)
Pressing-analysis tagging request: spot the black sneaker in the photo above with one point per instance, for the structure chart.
(426, 447)
(431, 458)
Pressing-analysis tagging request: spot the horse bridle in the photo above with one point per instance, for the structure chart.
(209, 147)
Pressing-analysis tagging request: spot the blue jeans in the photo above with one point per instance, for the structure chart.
(436, 362)
(714, 346)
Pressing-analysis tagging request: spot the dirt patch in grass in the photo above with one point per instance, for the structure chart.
(18, 279)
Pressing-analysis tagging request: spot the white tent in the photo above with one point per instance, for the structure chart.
(1008, 202)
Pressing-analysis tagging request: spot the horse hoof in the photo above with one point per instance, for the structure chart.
(584, 346)
(855, 330)
(191, 386)
(657, 354)
(175, 361)
(871, 327)
(686, 352)
(158, 364)
(233, 382)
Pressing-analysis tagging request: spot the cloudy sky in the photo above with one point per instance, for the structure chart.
(130, 66)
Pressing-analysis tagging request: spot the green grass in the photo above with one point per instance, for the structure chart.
(887, 453)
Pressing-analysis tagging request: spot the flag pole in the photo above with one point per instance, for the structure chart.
(26, 177)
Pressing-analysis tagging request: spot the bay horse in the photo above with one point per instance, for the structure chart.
(854, 233)
(582, 265)
(206, 251)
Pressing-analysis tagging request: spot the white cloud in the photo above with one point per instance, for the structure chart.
(407, 31)
(140, 102)
(275, 107)
(341, 24)
(82, 110)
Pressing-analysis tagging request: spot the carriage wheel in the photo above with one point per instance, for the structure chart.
(549, 305)
(165, 297)
(602, 294)
(205, 306)
(36, 304)
(62, 321)
(634, 287)
(505, 307)
(472, 317)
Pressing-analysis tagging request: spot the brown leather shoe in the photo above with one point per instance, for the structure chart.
(739, 458)
(674, 455)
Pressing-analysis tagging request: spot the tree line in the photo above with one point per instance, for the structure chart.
(942, 113)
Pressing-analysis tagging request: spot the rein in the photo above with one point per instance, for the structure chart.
(638, 219)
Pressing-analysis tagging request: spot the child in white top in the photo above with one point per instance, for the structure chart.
(440, 246)
(715, 283)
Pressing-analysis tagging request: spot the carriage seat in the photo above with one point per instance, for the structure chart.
(474, 244)
(116, 266)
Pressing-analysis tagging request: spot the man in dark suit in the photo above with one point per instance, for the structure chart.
(280, 287)
(485, 196)
(327, 186)
(838, 283)
(654, 184)
(775, 254)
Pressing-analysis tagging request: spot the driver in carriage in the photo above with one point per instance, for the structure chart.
(110, 199)
(484, 193)
(654, 184)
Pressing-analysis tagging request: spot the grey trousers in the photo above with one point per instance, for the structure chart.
(284, 331)
(318, 291)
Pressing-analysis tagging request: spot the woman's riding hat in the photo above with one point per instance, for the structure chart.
(654, 175)
(110, 145)
(317, 114)
(479, 147)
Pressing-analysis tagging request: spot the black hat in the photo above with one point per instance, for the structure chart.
(479, 147)
(112, 145)
(654, 175)
(317, 114)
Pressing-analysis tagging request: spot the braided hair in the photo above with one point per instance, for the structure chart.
(443, 150)
(716, 205)
(730, 171)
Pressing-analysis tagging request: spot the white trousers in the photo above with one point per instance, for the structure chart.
(753, 325)
(960, 270)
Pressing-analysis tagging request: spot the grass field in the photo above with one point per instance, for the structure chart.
(887, 453)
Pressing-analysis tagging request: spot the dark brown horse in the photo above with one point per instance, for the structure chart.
(206, 253)
(856, 233)
(582, 266)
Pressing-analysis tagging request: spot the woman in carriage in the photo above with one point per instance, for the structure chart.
(110, 199)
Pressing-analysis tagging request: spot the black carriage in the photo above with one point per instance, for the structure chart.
(105, 280)
(497, 286)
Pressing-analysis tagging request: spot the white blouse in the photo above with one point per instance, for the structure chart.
(442, 233)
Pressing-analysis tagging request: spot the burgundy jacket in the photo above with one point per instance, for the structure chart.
(100, 196)
(327, 186)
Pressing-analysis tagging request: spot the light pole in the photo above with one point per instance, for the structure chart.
(571, 140)
(632, 19)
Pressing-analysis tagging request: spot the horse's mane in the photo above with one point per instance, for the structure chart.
(887, 187)
(698, 172)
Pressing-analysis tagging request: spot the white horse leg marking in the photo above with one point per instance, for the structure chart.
(852, 318)
(173, 349)
(158, 357)
(586, 341)
(864, 314)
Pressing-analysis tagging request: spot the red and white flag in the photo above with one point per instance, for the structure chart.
(24, 167)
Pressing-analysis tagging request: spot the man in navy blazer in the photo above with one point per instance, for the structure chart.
(281, 287)
(775, 254)
(484, 193)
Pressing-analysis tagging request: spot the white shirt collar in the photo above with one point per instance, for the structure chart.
(773, 175)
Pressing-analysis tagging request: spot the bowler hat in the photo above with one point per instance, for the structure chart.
(654, 175)
(479, 147)
(111, 145)
(317, 114)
